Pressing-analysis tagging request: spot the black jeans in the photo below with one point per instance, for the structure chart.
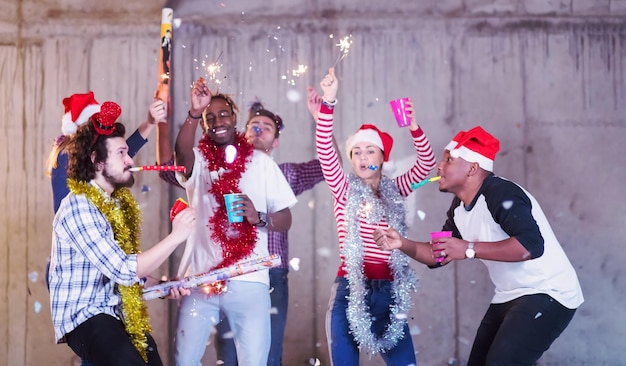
(103, 341)
(518, 332)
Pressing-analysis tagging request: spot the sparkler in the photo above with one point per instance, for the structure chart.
(344, 47)
(295, 73)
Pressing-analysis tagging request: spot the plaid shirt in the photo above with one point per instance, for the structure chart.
(301, 177)
(86, 265)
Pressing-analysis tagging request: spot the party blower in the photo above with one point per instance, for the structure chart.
(414, 186)
(160, 168)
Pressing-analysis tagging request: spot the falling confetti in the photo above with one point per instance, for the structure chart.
(538, 315)
(314, 362)
(37, 307)
(421, 214)
(293, 96)
(507, 204)
(230, 153)
(311, 204)
(415, 330)
(273, 310)
(294, 263)
(401, 316)
(145, 188)
(324, 252)
(32, 276)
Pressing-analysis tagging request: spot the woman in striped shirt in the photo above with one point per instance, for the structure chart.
(371, 296)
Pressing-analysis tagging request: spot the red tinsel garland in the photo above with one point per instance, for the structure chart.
(236, 239)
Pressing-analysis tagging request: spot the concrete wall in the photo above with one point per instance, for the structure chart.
(546, 77)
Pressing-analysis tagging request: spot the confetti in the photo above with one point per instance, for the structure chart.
(415, 330)
(295, 264)
(293, 96)
(230, 153)
(421, 214)
(32, 276)
(507, 204)
(324, 252)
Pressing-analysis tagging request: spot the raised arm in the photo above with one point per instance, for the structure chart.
(200, 99)
(425, 160)
(327, 150)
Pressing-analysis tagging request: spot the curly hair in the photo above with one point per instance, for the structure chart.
(84, 142)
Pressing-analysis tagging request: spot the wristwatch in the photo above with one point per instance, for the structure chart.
(470, 253)
(262, 220)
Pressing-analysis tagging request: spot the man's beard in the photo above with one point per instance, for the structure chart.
(118, 183)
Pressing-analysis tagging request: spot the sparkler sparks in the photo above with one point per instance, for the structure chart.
(344, 47)
(295, 73)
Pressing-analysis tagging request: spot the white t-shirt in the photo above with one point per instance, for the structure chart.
(264, 184)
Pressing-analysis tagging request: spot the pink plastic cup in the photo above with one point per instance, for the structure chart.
(440, 234)
(398, 107)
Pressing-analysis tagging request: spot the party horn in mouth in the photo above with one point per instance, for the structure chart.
(417, 185)
(160, 168)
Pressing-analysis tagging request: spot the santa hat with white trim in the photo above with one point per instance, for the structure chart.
(370, 133)
(475, 146)
(78, 109)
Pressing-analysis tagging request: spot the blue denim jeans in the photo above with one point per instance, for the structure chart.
(344, 349)
(224, 344)
(247, 307)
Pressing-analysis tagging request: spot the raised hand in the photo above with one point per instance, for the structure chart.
(157, 112)
(200, 97)
(314, 100)
(329, 85)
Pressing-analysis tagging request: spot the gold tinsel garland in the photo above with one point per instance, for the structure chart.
(125, 220)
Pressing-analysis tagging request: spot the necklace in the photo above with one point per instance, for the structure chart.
(125, 221)
(237, 239)
(361, 201)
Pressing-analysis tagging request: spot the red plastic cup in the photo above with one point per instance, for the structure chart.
(440, 234)
(178, 206)
(398, 107)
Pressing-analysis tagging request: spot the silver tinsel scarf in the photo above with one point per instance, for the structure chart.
(361, 201)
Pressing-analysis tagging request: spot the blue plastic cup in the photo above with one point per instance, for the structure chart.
(231, 200)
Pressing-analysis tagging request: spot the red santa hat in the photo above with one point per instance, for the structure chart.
(78, 109)
(475, 146)
(371, 133)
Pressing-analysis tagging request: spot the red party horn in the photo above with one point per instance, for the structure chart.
(178, 206)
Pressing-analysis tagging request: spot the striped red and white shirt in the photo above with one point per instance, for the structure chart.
(375, 261)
